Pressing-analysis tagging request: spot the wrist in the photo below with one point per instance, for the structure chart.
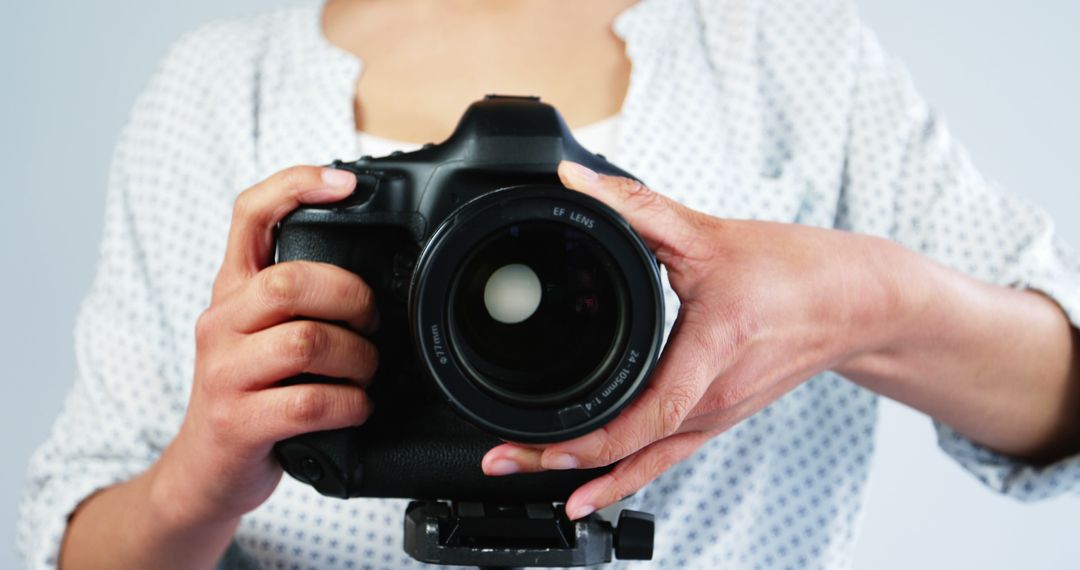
(175, 517)
(889, 301)
(174, 495)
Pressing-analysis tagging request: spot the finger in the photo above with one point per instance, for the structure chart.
(633, 473)
(684, 373)
(302, 347)
(508, 458)
(668, 228)
(303, 408)
(258, 209)
(301, 289)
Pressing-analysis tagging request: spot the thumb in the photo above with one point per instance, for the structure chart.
(669, 229)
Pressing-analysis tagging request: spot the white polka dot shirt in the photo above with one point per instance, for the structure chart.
(784, 110)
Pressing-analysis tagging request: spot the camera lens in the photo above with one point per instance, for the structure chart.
(537, 312)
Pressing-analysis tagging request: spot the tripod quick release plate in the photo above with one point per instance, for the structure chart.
(517, 535)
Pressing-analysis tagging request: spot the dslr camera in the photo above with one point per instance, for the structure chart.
(511, 308)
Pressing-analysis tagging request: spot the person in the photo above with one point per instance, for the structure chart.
(825, 242)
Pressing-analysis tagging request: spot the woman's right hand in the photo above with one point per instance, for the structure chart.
(267, 323)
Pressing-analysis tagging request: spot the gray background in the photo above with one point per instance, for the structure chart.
(1005, 73)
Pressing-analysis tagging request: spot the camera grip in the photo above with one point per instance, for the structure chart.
(432, 457)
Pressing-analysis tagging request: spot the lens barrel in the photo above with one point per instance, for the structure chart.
(585, 304)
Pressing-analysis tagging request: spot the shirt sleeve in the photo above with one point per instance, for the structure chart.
(97, 440)
(130, 392)
(908, 179)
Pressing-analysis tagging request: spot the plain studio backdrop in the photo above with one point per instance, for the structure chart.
(1005, 74)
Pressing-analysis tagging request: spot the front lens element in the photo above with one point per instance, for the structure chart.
(537, 312)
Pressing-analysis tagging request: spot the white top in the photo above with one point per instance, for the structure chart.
(784, 110)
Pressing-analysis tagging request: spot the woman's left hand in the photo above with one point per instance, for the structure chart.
(764, 306)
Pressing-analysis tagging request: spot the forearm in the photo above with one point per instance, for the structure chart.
(999, 365)
(136, 525)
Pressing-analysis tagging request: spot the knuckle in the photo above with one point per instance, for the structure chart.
(675, 404)
(613, 447)
(279, 285)
(727, 396)
(631, 187)
(639, 194)
(214, 374)
(293, 177)
(306, 404)
(206, 327)
(244, 205)
(220, 419)
(304, 343)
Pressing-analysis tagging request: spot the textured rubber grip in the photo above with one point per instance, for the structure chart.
(431, 455)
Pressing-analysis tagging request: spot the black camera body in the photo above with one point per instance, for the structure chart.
(511, 308)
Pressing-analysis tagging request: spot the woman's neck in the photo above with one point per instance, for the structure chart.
(425, 61)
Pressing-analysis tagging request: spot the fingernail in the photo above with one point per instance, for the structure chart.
(325, 194)
(579, 171)
(558, 461)
(339, 183)
(502, 467)
(338, 178)
(581, 512)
